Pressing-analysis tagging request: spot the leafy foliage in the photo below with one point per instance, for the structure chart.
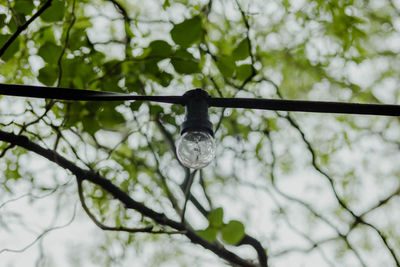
(187, 32)
(55, 12)
(303, 188)
(233, 232)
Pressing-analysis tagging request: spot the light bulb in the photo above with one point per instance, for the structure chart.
(195, 149)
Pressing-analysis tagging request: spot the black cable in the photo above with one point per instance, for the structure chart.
(78, 94)
(250, 103)
(306, 106)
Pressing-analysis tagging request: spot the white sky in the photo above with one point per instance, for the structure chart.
(253, 205)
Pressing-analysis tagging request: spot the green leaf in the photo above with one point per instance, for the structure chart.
(12, 49)
(156, 109)
(133, 84)
(24, 7)
(77, 74)
(215, 217)
(46, 34)
(166, 4)
(286, 3)
(12, 25)
(2, 20)
(74, 114)
(136, 105)
(165, 78)
(151, 66)
(187, 32)
(48, 75)
(110, 83)
(177, 109)
(227, 66)
(209, 234)
(232, 232)
(83, 24)
(160, 48)
(55, 12)
(109, 117)
(167, 118)
(184, 62)
(50, 52)
(241, 51)
(244, 71)
(77, 39)
(90, 124)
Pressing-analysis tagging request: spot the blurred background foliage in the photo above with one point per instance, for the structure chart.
(313, 189)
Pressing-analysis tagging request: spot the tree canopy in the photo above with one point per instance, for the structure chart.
(285, 188)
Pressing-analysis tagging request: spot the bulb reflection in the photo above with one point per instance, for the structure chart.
(195, 149)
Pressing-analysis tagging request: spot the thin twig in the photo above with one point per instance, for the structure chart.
(307, 206)
(45, 232)
(65, 46)
(147, 229)
(204, 187)
(21, 28)
(188, 186)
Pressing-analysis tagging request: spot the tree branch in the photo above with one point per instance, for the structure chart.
(357, 218)
(308, 206)
(148, 229)
(127, 24)
(185, 187)
(117, 193)
(21, 28)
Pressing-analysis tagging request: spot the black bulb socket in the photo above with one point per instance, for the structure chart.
(196, 116)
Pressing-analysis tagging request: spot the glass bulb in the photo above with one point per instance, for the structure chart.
(195, 149)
